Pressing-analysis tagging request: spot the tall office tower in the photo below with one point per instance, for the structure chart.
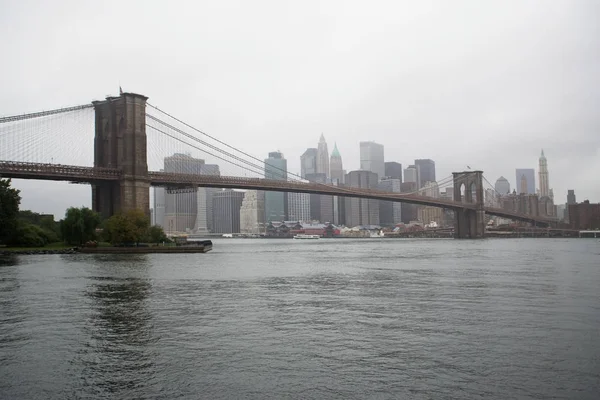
(362, 211)
(205, 215)
(390, 213)
(252, 213)
(393, 170)
(409, 211)
(543, 175)
(276, 205)
(371, 158)
(226, 209)
(525, 180)
(426, 171)
(411, 175)
(502, 186)
(322, 157)
(299, 207)
(159, 206)
(571, 199)
(321, 206)
(430, 189)
(308, 162)
(181, 208)
(335, 166)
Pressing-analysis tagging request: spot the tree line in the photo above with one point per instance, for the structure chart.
(80, 226)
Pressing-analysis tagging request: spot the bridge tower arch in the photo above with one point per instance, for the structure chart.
(120, 142)
(469, 223)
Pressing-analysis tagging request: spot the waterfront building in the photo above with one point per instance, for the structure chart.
(252, 212)
(502, 186)
(322, 157)
(390, 212)
(543, 175)
(335, 166)
(428, 214)
(308, 162)
(299, 207)
(276, 203)
(362, 211)
(584, 216)
(371, 158)
(525, 178)
(226, 208)
(425, 171)
(393, 170)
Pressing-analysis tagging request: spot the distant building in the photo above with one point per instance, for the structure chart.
(584, 216)
(321, 206)
(371, 158)
(428, 214)
(299, 207)
(276, 205)
(409, 211)
(425, 170)
(411, 175)
(335, 166)
(502, 186)
(308, 162)
(522, 203)
(393, 170)
(252, 212)
(430, 189)
(571, 199)
(543, 175)
(390, 212)
(362, 211)
(226, 209)
(322, 157)
(159, 206)
(525, 178)
(181, 205)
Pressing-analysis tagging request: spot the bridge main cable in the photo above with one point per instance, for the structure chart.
(21, 117)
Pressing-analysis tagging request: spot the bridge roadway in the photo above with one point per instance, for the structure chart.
(79, 174)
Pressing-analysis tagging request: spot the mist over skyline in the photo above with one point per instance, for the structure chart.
(484, 84)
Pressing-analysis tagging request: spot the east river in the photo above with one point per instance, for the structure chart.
(314, 319)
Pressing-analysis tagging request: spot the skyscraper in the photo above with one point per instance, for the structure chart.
(181, 205)
(252, 212)
(571, 199)
(543, 175)
(335, 166)
(159, 206)
(322, 157)
(299, 206)
(276, 207)
(425, 171)
(362, 211)
(321, 206)
(226, 210)
(371, 158)
(308, 162)
(525, 179)
(502, 186)
(393, 170)
(410, 175)
(390, 212)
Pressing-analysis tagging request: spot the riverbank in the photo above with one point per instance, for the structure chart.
(204, 247)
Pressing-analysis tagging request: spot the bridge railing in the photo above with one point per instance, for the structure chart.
(38, 169)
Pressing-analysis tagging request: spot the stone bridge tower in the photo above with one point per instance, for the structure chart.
(120, 142)
(468, 188)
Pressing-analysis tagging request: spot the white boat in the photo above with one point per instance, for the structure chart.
(302, 236)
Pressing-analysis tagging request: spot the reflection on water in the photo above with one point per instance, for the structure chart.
(118, 356)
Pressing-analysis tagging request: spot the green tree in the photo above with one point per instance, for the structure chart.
(28, 235)
(156, 234)
(79, 225)
(9, 210)
(129, 227)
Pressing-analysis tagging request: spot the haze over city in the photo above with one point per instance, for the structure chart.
(486, 85)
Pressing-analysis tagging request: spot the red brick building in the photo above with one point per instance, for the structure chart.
(584, 216)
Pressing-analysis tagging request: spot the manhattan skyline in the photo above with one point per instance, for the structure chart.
(512, 80)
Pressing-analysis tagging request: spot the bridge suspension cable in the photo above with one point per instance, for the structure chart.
(21, 117)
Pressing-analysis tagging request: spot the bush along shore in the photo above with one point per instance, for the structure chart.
(26, 251)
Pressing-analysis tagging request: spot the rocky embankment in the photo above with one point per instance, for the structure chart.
(72, 250)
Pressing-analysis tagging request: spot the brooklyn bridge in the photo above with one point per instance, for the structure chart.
(112, 153)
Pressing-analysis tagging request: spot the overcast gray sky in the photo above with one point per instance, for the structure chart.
(480, 83)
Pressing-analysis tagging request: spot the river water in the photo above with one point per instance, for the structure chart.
(324, 319)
